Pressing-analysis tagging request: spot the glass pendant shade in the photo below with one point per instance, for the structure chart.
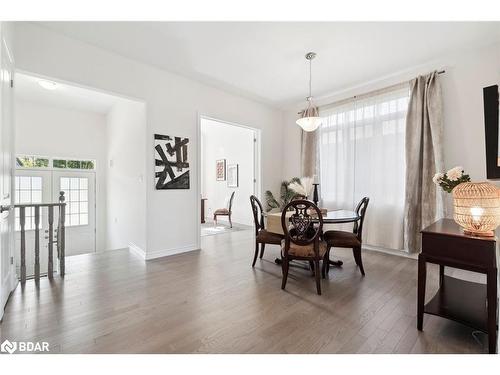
(310, 120)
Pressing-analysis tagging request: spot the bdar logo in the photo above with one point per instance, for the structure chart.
(8, 347)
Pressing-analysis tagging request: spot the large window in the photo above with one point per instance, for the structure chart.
(361, 153)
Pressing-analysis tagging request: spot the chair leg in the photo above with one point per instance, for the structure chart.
(230, 222)
(215, 220)
(256, 253)
(323, 268)
(317, 276)
(327, 259)
(284, 267)
(262, 246)
(357, 258)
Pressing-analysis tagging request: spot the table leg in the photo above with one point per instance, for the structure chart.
(441, 274)
(491, 285)
(422, 274)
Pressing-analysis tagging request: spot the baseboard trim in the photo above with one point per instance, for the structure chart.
(167, 252)
(137, 250)
(397, 253)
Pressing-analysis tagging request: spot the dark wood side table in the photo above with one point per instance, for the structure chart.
(203, 210)
(472, 304)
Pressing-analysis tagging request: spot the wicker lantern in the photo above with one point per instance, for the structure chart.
(477, 208)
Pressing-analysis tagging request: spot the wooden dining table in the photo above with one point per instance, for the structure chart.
(273, 224)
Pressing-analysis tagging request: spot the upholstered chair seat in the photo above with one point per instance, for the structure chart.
(304, 250)
(269, 237)
(337, 238)
(221, 211)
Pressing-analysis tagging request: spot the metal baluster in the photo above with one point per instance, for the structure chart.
(37, 244)
(61, 234)
(50, 268)
(22, 223)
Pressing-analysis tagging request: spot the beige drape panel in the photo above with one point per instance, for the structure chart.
(309, 153)
(423, 148)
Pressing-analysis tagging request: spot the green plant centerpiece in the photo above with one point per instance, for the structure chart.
(288, 190)
(455, 176)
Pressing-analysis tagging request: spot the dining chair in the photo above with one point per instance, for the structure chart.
(303, 230)
(354, 239)
(262, 236)
(225, 211)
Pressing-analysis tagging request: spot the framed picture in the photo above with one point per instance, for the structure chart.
(171, 162)
(220, 170)
(232, 175)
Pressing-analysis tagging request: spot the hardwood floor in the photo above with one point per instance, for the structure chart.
(212, 301)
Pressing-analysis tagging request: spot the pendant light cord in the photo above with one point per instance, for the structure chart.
(310, 79)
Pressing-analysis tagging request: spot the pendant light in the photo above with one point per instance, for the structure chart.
(310, 120)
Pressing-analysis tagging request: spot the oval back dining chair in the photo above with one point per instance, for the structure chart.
(302, 228)
(337, 238)
(262, 236)
(225, 211)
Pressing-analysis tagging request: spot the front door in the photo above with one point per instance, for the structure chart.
(79, 192)
(7, 275)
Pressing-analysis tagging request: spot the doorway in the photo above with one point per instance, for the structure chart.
(229, 167)
(73, 139)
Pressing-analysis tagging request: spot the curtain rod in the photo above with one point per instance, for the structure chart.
(388, 88)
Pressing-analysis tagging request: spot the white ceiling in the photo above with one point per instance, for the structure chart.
(265, 60)
(64, 96)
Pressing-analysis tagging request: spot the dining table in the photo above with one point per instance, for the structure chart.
(339, 216)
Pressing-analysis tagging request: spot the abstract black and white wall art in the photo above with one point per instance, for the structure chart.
(171, 162)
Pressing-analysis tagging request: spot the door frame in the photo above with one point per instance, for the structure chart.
(11, 276)
(257, 165)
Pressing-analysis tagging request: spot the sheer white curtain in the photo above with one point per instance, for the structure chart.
(362, 153)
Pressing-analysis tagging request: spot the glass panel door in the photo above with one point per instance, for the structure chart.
(79, 193)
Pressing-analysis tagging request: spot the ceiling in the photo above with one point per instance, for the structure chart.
(265, 60)
(64, 96)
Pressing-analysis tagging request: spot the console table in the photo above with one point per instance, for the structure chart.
(469, 303)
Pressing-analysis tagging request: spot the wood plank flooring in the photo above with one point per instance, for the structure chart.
(212, 301)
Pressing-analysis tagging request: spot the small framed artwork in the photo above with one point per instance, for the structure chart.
(220, 170)
(232, 175)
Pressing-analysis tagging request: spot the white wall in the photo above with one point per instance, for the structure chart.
(125, 166)
(467, 72)
(173, 105)
(46, 130)
(236, 145)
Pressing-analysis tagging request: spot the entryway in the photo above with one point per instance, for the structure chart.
(89, 145)
(39, 186)
(230, 174)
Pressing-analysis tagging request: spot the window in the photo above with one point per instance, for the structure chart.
(25, 161)
(73, 164)
(76, 192)
(31, 161)
(28, 189)
(361, 153)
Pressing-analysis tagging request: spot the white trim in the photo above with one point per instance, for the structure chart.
(399, 253)
(137, 250)
(168, 252)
